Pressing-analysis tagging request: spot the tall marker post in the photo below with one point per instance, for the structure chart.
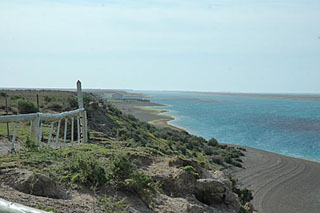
(83, 122)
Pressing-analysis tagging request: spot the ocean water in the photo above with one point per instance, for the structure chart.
(290, 127)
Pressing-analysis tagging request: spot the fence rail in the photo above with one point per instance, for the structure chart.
(37, 120)
(41, 116)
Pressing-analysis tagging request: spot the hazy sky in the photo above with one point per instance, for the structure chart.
(202, 45)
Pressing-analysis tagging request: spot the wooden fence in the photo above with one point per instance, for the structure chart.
(37, 119)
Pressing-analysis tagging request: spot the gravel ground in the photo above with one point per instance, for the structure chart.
(281, 183)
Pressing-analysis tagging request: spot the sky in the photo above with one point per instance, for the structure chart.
(270, 46)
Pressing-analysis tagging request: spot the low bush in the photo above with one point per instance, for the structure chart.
(217, 159)
(212, 142)
(49, 98)
(121, 170)
(112, 206)
(86, 170)
(16, 97)
(208, 150)
(142, 185)
(73, 103)
(26, 107)
(125, 175)
(55, 107)
(31, 145)
(244, 194)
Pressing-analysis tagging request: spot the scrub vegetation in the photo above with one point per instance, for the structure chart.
(113, 164)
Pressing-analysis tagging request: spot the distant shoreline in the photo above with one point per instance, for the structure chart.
(288, 96)
(164, 121)
(145, 113)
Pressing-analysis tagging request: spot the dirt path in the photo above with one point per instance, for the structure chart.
(281, 183)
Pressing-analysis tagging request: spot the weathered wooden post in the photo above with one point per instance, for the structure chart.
(65, 131)
(7, 112)
(35, 129)
(83, 116)
(40, 134)
(72, 130)
(78, 128)
(58, 132)
(14, 137)
(50, 133)
(38, 103)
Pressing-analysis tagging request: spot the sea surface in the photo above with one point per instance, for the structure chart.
(284, 126)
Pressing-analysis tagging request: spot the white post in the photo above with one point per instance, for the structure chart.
(78, 128)
(35, 129)
(58, 131)
(79, 94)
(40, 134)
(85, 135)
(72, 130)
(80, 105)
(50, 133)
(65, 131)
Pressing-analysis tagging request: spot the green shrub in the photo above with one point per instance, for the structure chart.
(49, 98)
(229, 160)
(192, 170)
(217, 159)
(45, 208)
(16, 97)
(55, 107)
(31, 145)
(25, 107)
(112, 206)
(86, 170)
(208, 150)
(121, 170)
(125, 175)
(142, 185)
(188, 168)
(245, 195)
(73, 102)
(212, 142)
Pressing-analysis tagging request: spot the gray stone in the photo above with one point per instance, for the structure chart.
(216, 192)
(37, 184)
(210, 191)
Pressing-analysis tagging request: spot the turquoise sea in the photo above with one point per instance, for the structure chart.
(290, 127)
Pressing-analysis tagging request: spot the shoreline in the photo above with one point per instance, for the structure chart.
(166, 118)
(164, 121)
(280, 183)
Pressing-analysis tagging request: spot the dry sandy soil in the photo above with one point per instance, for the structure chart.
(281, 184)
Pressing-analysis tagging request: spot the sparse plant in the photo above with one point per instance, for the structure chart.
(212, 142)
(111, 206)
(30, 145)
(25, 107)
(87, 170)
(126, 176)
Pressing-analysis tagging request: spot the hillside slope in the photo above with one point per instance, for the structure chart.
(127, 166)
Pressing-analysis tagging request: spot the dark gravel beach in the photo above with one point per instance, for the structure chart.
(281, 183)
